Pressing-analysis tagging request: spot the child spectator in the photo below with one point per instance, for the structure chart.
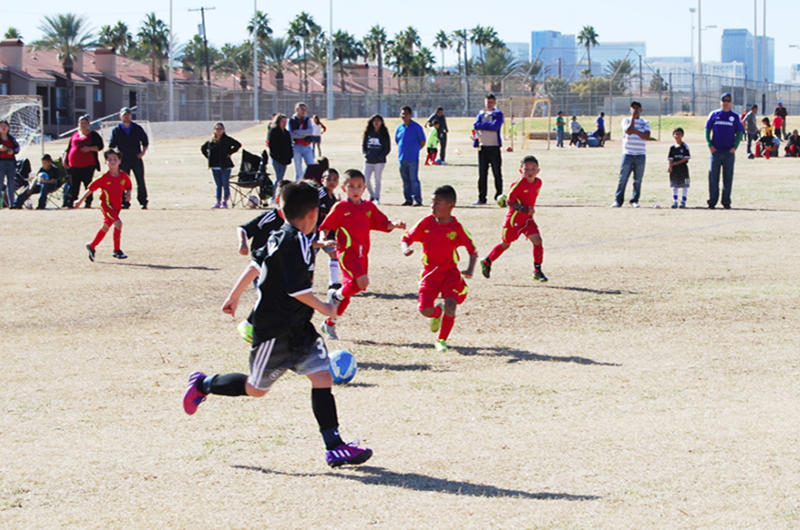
(327, 199)
(767, 140)
(376, 144)
(793, 144)
(317, 130)
(600, 133)
(283, 336)
(441, 234)
(116, 187)
(777, 124)
(432, 144)
(9, 148)
(352, 219)
(519, 219)
(751, 129)
(45, 181)
(678, 168)
(575, 130)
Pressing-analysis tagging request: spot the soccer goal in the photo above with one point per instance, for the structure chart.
(24, 116)
(520, 112)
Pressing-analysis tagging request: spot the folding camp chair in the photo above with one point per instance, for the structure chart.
(56, 197)
(250, 182)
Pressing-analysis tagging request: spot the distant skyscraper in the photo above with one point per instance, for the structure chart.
(607, 52)
(770, 76)
(557, 53)
(737, 45)
(521, 50)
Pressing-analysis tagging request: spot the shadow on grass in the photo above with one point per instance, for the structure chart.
(388, 296)
(395, 367)
(163, 267)
(592, 291)
(379, 476)
(359, 385)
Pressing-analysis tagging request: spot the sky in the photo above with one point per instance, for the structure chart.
(666, 30)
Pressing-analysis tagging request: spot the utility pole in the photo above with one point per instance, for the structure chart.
(171, 67)
(329, 66)
(764, 59)
(699, 53)
(255, 61)
(755, 52)
(207, 92)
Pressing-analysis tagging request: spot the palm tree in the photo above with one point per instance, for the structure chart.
(318, 55)
(194, 57)
(12, 33)
(399, 57)
(117, 37)
(499, 63)
(443, 42)
(346, 49)
(461, 38)
(421, 65)
(620, 69)
(301, 30)
(260, 22)
(236, 61)
(409, 38)
(153, 43)
(374, 45)
(67, 35)
(277, 52)
(588, 38)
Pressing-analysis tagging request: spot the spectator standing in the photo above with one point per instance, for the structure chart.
(9, 148)
(777, 124)
(723, 133)
(439, 116)
(82, 160)
(487, 128)
(131, 140)
(375, 145)
(560, 129)
(218, 150)
(635, 133)
(317, 130)
(751, 128)
(601, 128)
(780, 110)
(575, 131)
(301, 132)
(280, 145)
(410, 138)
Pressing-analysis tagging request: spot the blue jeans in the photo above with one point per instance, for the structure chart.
(723, 160)
(409, 172)
(280, 170)
(302, 153)
(8, 170)
(222, 178)
(634, 163)
(559, 138)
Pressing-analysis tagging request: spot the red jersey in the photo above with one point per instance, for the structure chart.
(352, 223)
(440, 242)
(523, 193)
(112, 189)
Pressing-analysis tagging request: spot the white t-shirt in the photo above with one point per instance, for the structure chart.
(316, 130)
(631, 143)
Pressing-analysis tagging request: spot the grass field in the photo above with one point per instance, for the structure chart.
(652, 383)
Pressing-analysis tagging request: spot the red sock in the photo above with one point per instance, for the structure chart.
(437, 312)
(496, 252)
(117, 238)
(98, 238)
(447, 327)
(342, 306)
(538, 254)
(350, 288)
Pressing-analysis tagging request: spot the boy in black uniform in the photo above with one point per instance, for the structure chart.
(678, 169)
(283, 336)
(260, 228)
(327, 198)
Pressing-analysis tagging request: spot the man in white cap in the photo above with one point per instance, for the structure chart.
(131, 140)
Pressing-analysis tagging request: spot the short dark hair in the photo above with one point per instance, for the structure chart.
(354, 174)
(299, 198)
(280, 185)
(528, 159)
(407, 110)
(602, 114)
(47, 158)
(330, 171)
(678, 129)
(754, 107)
(439, 108)
(446, 192)
(491, 96)
(636, 104)
(108, 152)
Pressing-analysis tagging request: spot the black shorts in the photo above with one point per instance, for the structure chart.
(269, 359)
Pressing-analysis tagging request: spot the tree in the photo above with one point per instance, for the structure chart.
(67, 35)
(483, 37)
(375, 42)
(421, 65)
(260, 22)
(588, 38)
(532, 71)
(409, 38)
(657, 83)
(318, 55)
(555, 86)
(443, 42)
(194, 57)
(619, 72)
(236, 61)
(12, 33)
(301, 30)
(278, 52)
(461, 39)
(400, 58)
(117, 37)
(499, 63)
(346, 49)
(153, 45)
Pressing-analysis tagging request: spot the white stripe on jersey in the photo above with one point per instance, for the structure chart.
(268, 218)
(322, 193)
(260, 362)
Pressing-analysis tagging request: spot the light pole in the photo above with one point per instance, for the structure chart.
(699, 48)
(329, 64)
(255, 61)
(691, 49)
(171, 92)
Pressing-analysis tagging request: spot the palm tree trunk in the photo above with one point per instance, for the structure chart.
(70, 100)
(380, 72)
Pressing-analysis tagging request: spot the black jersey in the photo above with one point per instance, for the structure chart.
(260, 228)
(326, 202)
(286, 266)
(680, 174)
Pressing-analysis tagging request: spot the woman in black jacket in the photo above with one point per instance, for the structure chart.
(375, 145)
(218, 151)
(280, 146)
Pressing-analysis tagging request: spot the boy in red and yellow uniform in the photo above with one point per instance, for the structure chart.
(519, 219)
(441, 234)
(352, 219)
(115, 186)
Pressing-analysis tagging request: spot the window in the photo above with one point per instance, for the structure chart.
(80, 97)
(61, 98)
(98, 95)
(44, 93)
(3, 89)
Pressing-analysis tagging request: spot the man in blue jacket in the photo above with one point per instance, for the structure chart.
(487, 129)
(131, 140)
(724, 131)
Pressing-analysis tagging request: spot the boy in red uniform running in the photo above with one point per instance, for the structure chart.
(519, 219)
(352, 219)
(441, 234)
(116, 187)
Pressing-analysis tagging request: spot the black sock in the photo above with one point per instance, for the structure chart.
(228, 385)
(325, 411)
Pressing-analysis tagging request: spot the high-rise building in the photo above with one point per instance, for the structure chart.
(608, 52)
(557, 53)
(770, 73)
(737, 46)
(520, 50)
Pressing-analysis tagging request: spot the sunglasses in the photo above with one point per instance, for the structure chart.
(726, 101)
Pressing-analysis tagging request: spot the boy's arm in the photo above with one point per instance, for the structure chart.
(473, 259)
(245, 279)
(316, 304)
(242, 240)
(405, 248)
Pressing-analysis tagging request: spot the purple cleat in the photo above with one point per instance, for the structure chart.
(193, 397)
(347, 454)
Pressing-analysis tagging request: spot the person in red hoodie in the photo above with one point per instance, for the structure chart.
(8, 165)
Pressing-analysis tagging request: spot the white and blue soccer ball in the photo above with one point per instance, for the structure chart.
(343, 366)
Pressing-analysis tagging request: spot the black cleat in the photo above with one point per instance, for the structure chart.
(119, 254)
(486, 267)
(539, 276)
(91, 251)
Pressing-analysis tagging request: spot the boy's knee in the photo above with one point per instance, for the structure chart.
(362, 282)
(255, 392)
(427, 312)
(505, 245)
(536, 239)
(450, 306)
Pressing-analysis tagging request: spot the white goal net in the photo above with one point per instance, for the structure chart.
(24, 116)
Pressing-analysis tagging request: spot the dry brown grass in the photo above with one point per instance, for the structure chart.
(652, 383)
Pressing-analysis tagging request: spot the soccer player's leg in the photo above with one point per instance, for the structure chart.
(532, 233)
(510, 234)
(454, 292)
(354, 280)
(429, 290)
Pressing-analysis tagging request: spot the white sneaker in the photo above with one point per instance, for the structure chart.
(615, 204)
(329, 331)
(634, 205)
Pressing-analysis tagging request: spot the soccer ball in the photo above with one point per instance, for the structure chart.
(252, 201)
(245, 330)
(343, 366)
(502, 201)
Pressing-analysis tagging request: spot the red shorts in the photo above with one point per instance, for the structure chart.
(518, 225)
(110, 216)
(353, 265)
(448, 283)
